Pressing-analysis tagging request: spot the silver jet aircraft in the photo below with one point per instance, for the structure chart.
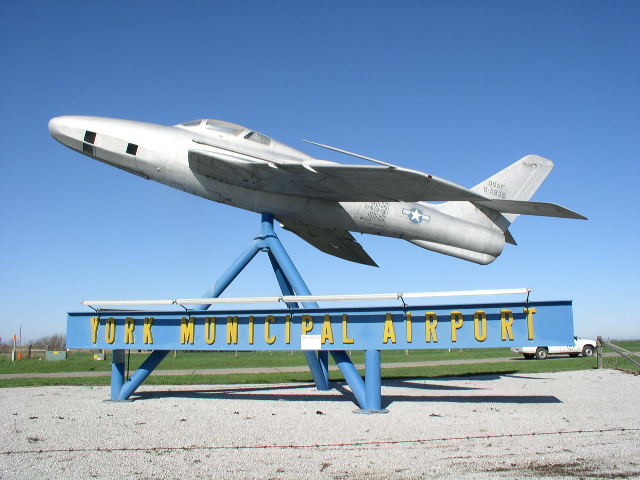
(318, 200)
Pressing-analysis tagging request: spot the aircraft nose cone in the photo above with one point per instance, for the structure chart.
(68, 130)
(57, 127)
(54, 125)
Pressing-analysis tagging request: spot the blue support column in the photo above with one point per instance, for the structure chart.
(291, 283)
(318, 365)
(373, 377)
(284, 261)
(352, 376)
(117, 373)
(121, 390)
(285, 286)
(323, 358)
(317, 372)
(140, 375)
(232, 272)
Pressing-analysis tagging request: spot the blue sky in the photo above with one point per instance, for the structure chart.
(458, 89)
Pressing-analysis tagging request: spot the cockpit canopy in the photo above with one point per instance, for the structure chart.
(228, 128)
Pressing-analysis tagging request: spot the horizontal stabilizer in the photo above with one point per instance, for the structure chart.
(338, 243)
(328, 181)
(520, 207)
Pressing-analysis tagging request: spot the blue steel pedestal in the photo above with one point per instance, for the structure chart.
(367, 392)
(121, 390)
(373, 382)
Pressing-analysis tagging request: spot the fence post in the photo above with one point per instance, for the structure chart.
(599, 352)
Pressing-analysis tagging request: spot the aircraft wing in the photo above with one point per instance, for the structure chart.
(338, 243)
(530, 208)
(328, 181)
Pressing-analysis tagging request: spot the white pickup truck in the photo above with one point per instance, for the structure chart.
(583, 346)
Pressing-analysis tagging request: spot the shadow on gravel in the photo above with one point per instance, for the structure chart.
(414, 383)
(471, 376)
(270, 393)
(219, 392)
(518, 399)
(524, 377)
(504, 399)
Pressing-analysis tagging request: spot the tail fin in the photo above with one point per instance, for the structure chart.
(519, 181)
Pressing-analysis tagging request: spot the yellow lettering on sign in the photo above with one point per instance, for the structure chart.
(287, 329)
(457, 320)
(95, 323)
(210, 330)
(129, 327)
(431, 322)
(530, 312)
(252, 328)
(506, 320)
(345, 330)
(110, 330)
(188, 330)
(148, 335)
(409, 322)
(389, 330)
(307, 324)
(267, 329)
(480, 325)
(327, 330)
(232, 329)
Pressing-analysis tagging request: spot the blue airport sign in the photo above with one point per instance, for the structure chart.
(483, 325)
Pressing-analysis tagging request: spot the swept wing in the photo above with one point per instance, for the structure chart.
(329, 181)
(354, 183)
(338, 243)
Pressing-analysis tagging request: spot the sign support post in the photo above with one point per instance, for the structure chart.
(141, 374)
(289, 279)
(117, 374)
(373, 381)
(367, 393)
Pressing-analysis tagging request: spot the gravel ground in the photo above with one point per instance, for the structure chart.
(583, 424)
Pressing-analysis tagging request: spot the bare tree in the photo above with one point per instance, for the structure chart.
(57, 341)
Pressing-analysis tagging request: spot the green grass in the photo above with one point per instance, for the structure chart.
(621, 363)
(83, 362)
(631, 345)
(550, 365)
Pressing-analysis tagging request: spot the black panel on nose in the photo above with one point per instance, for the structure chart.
(87, 148)
(132, 149)
(89, 137)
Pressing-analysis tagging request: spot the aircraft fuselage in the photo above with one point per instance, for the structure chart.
(161, 153)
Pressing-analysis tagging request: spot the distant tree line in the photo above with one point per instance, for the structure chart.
(57, 341)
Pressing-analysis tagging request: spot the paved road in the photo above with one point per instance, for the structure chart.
(226, 371)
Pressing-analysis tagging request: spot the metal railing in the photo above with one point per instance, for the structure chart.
(617, 349)
(305, 298)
